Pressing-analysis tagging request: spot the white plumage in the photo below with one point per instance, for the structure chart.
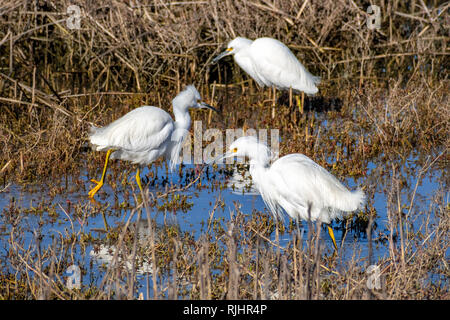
(297, 184)
(270, 63)
(147, 133)
(141, 136)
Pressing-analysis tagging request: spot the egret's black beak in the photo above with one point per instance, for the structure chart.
(203, 105)
(220, 56)
(220, 158)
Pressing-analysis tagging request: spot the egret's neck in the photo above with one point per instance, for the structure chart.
(182, 118)
(258, 171)
(182, 125)
(243, 48)
(242, 57)
(244, 51)
(244, 60)
(259, 163)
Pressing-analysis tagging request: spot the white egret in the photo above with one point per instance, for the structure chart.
(304, 189)
(147, 133)
(271, 63)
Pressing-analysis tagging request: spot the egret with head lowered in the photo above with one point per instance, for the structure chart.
(146, 134)
(271, 63)
(297, 184)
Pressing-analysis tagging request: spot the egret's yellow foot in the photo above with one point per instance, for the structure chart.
(138, 180)
(140, 197)
(330, 231)
(96, 188)
(139, 183)
(102, 179)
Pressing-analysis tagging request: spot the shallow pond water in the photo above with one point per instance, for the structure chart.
(51, 218)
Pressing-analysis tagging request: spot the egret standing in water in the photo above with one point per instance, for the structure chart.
(304, 189)
(147, 133)
(270, 63)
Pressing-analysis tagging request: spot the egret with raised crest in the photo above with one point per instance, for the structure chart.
(146, 134)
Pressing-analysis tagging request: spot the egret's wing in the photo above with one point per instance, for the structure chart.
(246, 63)
(274, 61)
(301, 181)
(289, 179)
(142, 129)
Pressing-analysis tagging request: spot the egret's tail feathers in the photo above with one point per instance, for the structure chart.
(309, 87)
(354, 201)
(347, 201)
(317, 79)
(312, 91)
(360, 198)
(309, 83)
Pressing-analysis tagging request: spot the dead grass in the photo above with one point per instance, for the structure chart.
(55, 80)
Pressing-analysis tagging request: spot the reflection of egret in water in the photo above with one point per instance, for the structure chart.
(105, 253)
(120, 258)
(241, 181)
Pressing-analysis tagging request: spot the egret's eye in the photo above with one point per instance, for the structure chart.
(234, 150)
(229, 49)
